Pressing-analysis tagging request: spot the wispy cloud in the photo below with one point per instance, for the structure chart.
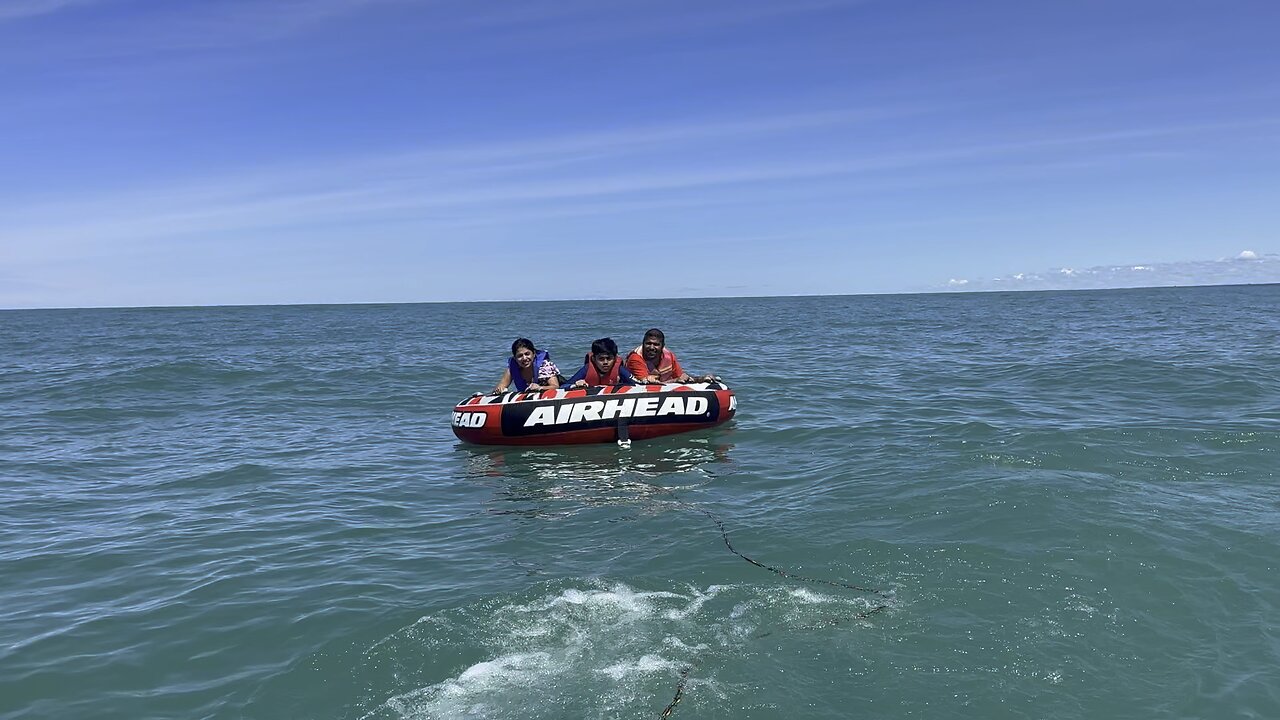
(1248, 267)
(653, 16)
(19, 9)
(553, 176)
(187, 27)
(172, 28)
(576, 166)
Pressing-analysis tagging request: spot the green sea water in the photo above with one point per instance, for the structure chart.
(1059, 505)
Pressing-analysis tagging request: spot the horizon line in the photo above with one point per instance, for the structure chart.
(626, 299)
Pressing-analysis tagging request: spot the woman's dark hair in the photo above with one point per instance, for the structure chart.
(522, 342)
(604, 346)
(655, 332)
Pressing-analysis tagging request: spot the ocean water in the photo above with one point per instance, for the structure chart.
(1055, 505)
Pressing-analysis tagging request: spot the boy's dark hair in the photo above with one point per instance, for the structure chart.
(604, 346)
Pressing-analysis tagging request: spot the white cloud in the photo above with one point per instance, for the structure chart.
(1260, 268)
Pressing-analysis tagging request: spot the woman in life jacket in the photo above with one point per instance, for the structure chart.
(528, 368)
(601, 367)
(652, 363)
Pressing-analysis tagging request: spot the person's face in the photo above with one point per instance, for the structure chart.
(524, 357)
(603, 362)
(652, 347)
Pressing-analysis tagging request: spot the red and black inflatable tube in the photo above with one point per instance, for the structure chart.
(595, 414)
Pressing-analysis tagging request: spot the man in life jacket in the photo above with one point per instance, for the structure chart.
(652, 363)
(601, 367)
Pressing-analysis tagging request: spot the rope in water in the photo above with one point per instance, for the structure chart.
(684, 677)
(724, 534)
(830, 622)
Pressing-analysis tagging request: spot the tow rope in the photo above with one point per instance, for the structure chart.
(686, 671)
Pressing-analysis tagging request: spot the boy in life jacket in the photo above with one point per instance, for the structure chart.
(601, 367)
(652, 363)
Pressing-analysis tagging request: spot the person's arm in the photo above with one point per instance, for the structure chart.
(684, 377)
(504, 382)
(639, 370)
(547, 378)
(581, 375)
(625, 377)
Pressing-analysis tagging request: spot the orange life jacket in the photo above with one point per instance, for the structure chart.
(595, 378)
(666, 369)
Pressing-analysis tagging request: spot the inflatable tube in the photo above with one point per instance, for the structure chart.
(602, 413)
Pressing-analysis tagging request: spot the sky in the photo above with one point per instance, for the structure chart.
(168, 152)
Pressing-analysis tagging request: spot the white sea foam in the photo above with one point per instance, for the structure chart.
(618, 598)
(695, 605)
(809, 596)
(676, 643)
(644, 665)
(504, 669)
(472, 692)
(612, 648)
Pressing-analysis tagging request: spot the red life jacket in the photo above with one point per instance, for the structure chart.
(665, 369)
(595, 378)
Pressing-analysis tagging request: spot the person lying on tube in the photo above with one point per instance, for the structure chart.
(653, 364)
(601, 367)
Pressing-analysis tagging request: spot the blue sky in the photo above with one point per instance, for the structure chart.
(158, 152)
